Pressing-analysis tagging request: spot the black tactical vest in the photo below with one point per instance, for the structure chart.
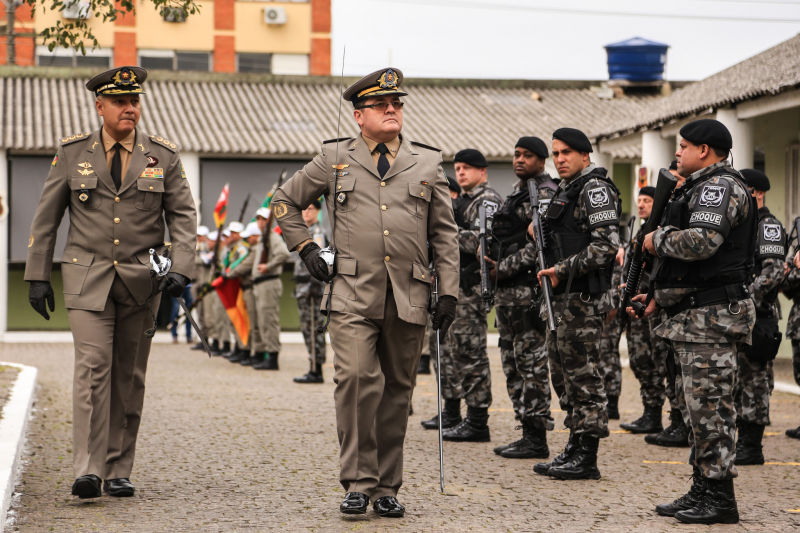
(770, 242)
(565, 237)
(734, 259)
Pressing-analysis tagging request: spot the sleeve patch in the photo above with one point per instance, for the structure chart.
(601, 206)
(771, 241)
(711, 208)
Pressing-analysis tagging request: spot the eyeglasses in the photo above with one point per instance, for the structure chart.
(383, 106)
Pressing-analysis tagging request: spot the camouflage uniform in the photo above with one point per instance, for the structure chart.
(467, 334)
(755, 379)
(522, 332)
(707, 338)
(791, 288)
(608, 361)
(451, 382)
(573, 350)
(308, 293)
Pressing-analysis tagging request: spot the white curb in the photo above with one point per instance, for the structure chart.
(16, 413)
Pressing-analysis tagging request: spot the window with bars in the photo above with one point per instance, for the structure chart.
(248, 62)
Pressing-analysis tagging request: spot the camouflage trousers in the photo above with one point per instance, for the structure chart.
(467, 335)
(573, 353)
(608, 357)
(706, 380)
(524, 356)
(648, 365)
(451, 383)
(311, 318)
(754, 384)
(796, 360)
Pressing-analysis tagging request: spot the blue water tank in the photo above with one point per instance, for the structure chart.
(636, 59)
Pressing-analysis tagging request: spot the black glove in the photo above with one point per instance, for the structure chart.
(315, 264)
(174, 284)
(444, 313)
(38, 293)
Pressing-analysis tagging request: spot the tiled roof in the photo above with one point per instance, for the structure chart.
(287, 117)
(771, 72)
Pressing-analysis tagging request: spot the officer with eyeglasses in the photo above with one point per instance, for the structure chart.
(389, 202)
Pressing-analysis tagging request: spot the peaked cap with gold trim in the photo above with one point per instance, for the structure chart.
(378, 83)
(120, 80)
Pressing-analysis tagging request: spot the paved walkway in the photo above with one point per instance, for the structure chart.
(226, 448)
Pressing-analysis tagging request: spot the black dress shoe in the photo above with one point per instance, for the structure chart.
(120, 487)
(388, 506)
(87, 486)
(310, 377)
(354, 503)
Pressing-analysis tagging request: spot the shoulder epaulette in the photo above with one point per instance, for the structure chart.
(340, 139)
(415, 143)
(171, 146)
(73, 138)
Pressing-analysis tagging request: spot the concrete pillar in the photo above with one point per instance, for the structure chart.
(657, 152)
(742, 133)
(191, 165)
(601, 159)
(4, 244)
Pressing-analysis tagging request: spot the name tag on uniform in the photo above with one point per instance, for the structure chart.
(154, 172)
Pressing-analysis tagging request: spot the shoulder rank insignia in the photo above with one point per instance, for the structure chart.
(164, 142)
(415, 143)
(73, 138)
(340, 139)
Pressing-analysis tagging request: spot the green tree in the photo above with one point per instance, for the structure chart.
(74, 33)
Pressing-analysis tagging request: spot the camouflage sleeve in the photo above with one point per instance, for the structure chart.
(519, 260)
(693, 244)
(600, 253)
(770, 277)
(468, 241)
(791, 285)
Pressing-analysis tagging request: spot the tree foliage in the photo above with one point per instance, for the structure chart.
(75, 33)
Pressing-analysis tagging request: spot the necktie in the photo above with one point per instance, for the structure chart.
(116, 166)
(383, 161)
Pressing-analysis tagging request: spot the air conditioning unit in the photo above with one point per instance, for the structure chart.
(275, 15)
(173, 14)
(76, 9)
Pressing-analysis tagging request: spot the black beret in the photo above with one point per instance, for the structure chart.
(535, 145)
(708, 131)
(378, 83)
(120, 80)
(453, 185)
(755, 179)
(472, 157)
(648, 190)
(673, 165)
(575, 139)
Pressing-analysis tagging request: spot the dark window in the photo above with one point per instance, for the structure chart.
(156, 62)
(254, 62)
(92, 61)
(78, 60)
(55, 61)
(192, 61)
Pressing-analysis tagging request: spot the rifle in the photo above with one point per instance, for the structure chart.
(270, 221)
(244, 207)
(793, 235)
(538, 235)
(485, 213)
(664, 187)
(631, 225)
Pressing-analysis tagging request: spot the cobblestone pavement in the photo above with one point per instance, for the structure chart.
(226, 448)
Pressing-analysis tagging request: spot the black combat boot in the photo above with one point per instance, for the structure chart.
(582, 464)
(198, 346)
(560, 459)
(717, 506)
(239, 355)
(473, 428)
(688, 500)
(748, 447)
(675, 435)
(226, 351)
(270, 362)
(793, 433)
(424, 365)
(451, 416)
(613, 407)
(499, 449)
(532, 445)
(214, 346)
(312, 376)
(649, 422)
(250, 360)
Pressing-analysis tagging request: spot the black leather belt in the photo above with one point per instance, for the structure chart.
(729, 294)
(267, 277)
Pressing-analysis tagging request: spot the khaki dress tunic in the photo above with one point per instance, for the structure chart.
(382, 232)
(108, 290)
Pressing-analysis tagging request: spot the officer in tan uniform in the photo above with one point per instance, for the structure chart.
(388, 200)
(120, 185)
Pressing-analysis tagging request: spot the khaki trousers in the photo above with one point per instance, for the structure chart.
(111, 353)
(268, 299)
(375, 363)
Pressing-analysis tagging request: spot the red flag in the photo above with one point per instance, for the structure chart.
(232, 296)
(221, 209)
